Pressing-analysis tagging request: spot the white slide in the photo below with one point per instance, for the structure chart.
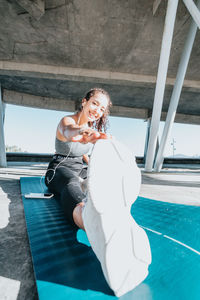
(121, 246)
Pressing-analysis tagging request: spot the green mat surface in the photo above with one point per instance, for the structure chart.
(65, 266)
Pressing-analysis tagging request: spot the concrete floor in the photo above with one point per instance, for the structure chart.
(16, 271)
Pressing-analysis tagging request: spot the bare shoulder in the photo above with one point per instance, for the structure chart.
(65, 122)
(68, 120)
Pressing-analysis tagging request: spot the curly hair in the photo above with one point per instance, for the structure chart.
(102, 123)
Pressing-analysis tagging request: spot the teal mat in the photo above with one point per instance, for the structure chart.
(65, 267)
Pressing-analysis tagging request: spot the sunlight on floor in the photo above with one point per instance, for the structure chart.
(9, 288)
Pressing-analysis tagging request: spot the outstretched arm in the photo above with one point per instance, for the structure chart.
(68, 130)
(89, 137)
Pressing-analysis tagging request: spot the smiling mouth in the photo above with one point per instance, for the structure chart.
(92, 116)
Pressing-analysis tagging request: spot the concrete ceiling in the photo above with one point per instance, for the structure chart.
(53, 51)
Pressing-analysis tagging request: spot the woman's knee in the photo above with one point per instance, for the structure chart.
(77, 215)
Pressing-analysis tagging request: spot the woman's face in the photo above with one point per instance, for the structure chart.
(95, 107)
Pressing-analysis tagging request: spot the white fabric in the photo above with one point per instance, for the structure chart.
(83, 183)
(121, 246)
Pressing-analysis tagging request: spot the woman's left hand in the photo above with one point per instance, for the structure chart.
(88, 136)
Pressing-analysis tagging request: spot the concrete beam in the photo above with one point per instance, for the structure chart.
(129, 112)
(22, 99)
(35, 8)
(48, 71)
(183, 118)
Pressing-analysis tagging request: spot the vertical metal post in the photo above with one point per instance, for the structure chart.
(4, 110)
(176, 93)
(193, 10)
(147, 138)
(3, 162)
(161, 79)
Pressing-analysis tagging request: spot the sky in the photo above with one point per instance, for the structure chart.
(33, 130)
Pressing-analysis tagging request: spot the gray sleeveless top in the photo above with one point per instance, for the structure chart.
(71, 148)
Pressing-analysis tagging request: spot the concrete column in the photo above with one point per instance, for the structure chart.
(193, 10)
(161, 80)
(3, 162)
(176, 93)
(147, 138)
(4, 110)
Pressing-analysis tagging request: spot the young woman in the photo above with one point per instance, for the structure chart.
(119, 243)
(74, 137)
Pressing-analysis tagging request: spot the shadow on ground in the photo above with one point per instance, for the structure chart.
(15, 258)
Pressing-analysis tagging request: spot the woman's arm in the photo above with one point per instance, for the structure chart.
(86, 158)
(67, 129)
(90, 138)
